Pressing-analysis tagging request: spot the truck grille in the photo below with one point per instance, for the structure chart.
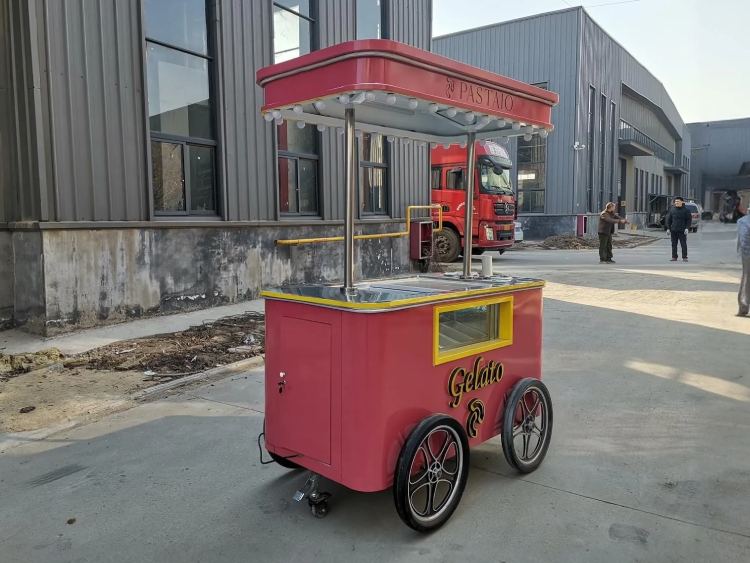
(504, 208)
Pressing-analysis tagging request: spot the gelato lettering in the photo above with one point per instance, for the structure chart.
(479, 95)
(460, 381)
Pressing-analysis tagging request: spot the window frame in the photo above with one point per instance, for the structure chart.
(313, 19)
(602, 146)
(383, 21)
(297, 156)
(183, 140)
(385, 166)
(504, 329)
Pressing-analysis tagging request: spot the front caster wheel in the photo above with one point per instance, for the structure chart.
(527, 425)
(431, 473)
(320, 509)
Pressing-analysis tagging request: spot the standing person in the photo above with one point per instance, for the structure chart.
(743, 247)
(678, 222)
(607, 221)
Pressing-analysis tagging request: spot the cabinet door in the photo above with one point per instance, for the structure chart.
(299, 417)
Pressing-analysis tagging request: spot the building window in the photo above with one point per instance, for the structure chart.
(370, 16)
(293, 29)
(612, 145)
(602, 148)
(297, 157)
(179, 65)
(373, 174)
(636, 192)
(590, 147)
(531, 180)
(297, 150)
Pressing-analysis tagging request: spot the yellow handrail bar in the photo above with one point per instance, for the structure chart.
(297, 241)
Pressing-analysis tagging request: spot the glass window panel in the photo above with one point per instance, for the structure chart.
(308, 186)
(435, 175)
(373, 195)
(179, 100)
(472, 325)
(167, 177)
(291, 34)
(288, 185)
(181, 23)
(368, 19)
(293, 139)
(455, 179)
(531, 201)
(301, 7)
(202, 193)
(373, 148)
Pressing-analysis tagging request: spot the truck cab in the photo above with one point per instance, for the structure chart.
(494, 199)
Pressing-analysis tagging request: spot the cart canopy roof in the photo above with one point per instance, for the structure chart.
(402, 91)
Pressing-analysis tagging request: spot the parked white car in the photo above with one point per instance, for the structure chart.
(518, 233)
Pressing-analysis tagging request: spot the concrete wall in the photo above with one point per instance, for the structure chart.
(6, 279)
(28, 280)
(112, 275)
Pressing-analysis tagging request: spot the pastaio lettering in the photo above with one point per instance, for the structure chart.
(480, 95)
(460, 381)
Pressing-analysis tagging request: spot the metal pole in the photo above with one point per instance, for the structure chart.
(351, 167)
(469, 208)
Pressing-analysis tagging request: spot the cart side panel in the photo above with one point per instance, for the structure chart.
(395, 384)
(304, 344)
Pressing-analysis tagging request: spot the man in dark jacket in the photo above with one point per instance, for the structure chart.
(607, 221)
(678, 222)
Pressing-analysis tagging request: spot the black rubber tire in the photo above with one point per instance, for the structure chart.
(516, 394)
(501, 251)
(451, 244)
(401, 478)
(283, 462)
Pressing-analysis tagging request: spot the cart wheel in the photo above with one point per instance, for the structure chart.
(431, 473)
(448, 245)
(320, 509)
(283, 462)
(527, 425)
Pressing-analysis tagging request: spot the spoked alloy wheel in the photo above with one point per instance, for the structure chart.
(431, 473)
(527, 425)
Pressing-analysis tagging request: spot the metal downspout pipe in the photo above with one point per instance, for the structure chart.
(351, 167)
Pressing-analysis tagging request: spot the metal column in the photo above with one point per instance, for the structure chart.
(469, 208)
(351, 167)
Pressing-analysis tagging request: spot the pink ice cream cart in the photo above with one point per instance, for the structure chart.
(379, 384)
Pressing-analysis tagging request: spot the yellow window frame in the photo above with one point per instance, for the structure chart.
(504, 329)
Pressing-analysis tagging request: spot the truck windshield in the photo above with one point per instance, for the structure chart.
(494, 178)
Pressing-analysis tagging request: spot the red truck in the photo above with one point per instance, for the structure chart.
(494, 199)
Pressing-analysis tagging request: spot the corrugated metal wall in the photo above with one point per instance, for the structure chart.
(23, 149)
(534, 50)
(96, 108)
(80, 90)
(643, 118)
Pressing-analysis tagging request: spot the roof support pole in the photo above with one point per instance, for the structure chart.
(469, 206)
(351, 168)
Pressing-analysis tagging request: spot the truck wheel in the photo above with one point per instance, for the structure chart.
(448, 245)
(527, 425)
(431, 473)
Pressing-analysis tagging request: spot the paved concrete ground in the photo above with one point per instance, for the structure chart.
(650, 458)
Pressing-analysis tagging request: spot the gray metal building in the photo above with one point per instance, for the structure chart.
(721, 162)
(137, 176)
(618, 136)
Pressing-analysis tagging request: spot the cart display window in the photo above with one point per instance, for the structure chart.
(464, 329)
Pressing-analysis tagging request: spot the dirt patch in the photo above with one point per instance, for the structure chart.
(84, 387)
(572, 242)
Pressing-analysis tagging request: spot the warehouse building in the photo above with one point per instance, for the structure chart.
(618, 136)
(138, 177)
(720, 173)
